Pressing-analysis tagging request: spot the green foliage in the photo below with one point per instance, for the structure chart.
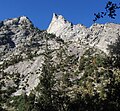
(115, 53)
(51, 96)
(89, 84)
(99, 84)
(110, 11)
(5, 93)
(47, 82)
(24, 102)
(97, 89)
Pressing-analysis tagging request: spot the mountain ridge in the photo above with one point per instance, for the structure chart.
(66, 30)
(64, 64)
(20, 40)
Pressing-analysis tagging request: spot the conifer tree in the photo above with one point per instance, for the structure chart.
(47, 82)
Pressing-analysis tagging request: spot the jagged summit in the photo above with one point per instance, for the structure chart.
(59, 17)
(24, 19)
(58, 24)
(15, 31)
(61, 27)
(16, 21)
(98, 35)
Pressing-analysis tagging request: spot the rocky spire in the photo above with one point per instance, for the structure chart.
(98, 35)
(58, 24)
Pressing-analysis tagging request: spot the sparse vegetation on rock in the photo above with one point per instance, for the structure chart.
(68, 71)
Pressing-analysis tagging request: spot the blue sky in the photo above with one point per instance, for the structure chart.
(40, 11)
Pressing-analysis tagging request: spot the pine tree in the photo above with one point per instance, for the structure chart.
(47, 82)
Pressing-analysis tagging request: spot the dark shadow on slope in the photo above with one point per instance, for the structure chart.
(6, 39)
(115, 53)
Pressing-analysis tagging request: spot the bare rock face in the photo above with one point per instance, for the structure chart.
(66, 30)
(58, 25)
(21, 54)
(98, 35)
(23, 46)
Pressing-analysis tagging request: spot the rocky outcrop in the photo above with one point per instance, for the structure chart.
(98, 35)
(21, 49)
(23, 46)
